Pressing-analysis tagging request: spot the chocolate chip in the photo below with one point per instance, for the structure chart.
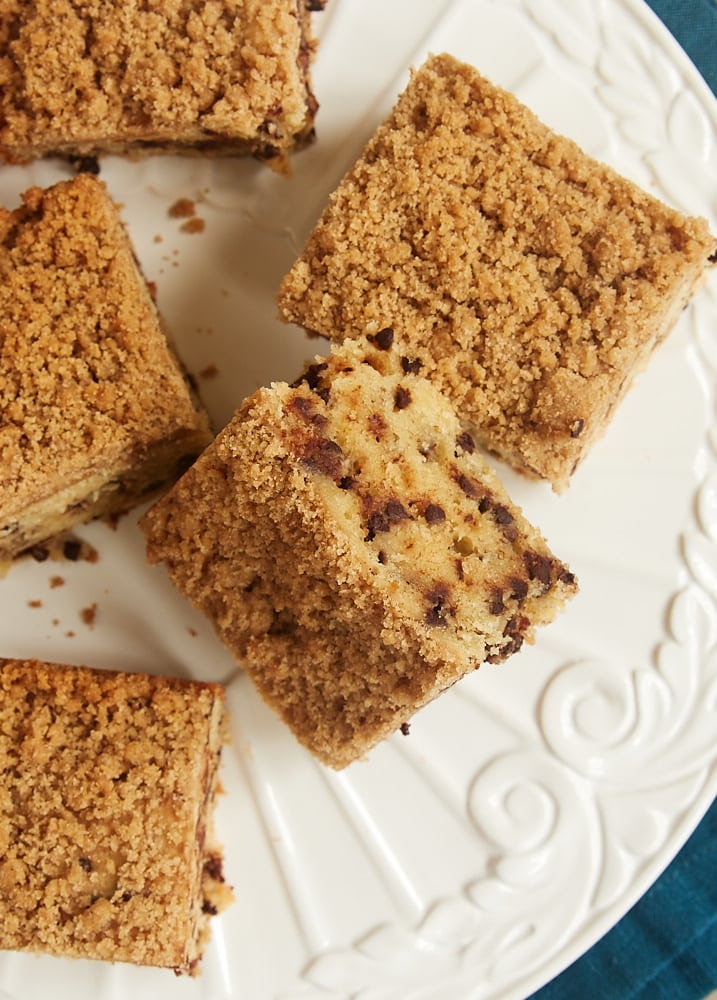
(466, 442)
(502, 515)
(376, 523)
(469, 486)
(402, 398)
(405, 728)
(383, 339)
(411, 366)
(85, 864)
(496, 605)
(518, 589)
(72, 549)
(434, 514)
(305, 409)
(39, 553)
(209, 908)
(438, 606)
(576, 428)
(213, 867)
(712, 259)
(311, 376)
(323, 455)
(381, 520)
(346, 482)
(538, 567)
(514, 632)
(395, 511)
(506, 521)
(86, 165)
(566, 577)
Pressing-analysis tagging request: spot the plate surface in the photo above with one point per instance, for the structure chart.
(536, 801)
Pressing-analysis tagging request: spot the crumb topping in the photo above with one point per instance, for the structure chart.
(73, 71)
(353, 549)
(86, 375)
(104, 786)
(531, 279)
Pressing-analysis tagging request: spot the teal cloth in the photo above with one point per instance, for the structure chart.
(694, 25)
(665, 948)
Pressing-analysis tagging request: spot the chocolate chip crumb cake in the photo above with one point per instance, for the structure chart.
(106, 804)
(535, 282)
(353, 549)
(96, 412)
(80, 78)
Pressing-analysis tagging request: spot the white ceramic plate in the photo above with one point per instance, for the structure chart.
(536, 801)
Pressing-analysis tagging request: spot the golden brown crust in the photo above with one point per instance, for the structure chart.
(105, 803)
(352, 549)
(80, 77)
(532, 281)
(92, 397)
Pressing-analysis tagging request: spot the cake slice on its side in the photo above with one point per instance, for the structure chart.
(80, 79)
(353, 550)
(533, 281)
(96, 412)
(106, 802)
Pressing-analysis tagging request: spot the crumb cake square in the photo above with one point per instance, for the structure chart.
(532, 281)
(96, 411)
(79, 78)
(106, 804)
(352, 549)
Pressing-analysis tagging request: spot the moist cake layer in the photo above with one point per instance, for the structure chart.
(96, 411)
(353, 550)
(532, 281)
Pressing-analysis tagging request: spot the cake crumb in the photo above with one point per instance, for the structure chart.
(89, 615)
(57, 581)
(34, 604)
(210, 371)
(182, 208)
(193, 225)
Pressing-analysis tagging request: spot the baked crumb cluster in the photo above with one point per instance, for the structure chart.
(107, 784)
(532, 281)
(353, 549)
(82, 77)
(96, 411)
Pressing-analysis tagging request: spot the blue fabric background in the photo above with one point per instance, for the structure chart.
(694, 25)
(665, 948)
